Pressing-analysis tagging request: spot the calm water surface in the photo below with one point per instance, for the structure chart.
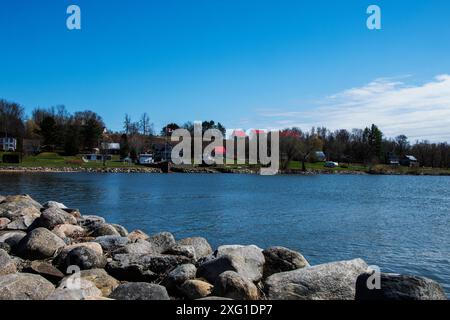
(399, 223)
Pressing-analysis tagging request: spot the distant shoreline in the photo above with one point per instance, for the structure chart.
(211, 170)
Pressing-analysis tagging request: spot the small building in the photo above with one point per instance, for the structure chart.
(8, 144)
(392, 159)
(97, 157)
(409, 161)
(111, 147)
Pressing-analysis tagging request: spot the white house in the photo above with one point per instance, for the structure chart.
(8, 144)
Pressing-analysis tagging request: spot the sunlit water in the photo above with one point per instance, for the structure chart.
(400, 223)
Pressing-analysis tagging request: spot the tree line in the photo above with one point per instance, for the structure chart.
(59, 130)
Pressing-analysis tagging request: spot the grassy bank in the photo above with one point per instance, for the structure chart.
(53, 160)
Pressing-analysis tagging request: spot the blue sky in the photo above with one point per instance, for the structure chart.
(245, 63)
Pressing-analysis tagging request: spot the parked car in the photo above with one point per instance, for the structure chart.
(331, 164)
(146, 159)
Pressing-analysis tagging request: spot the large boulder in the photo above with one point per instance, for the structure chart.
(22, 223)
(137, 234)
(280, 259)
(183, 250)
(248, 261)
(99, 277)
(84, 258)
(196, 289)
(80, 287)
(178, 276)
(398, 287)
(252, 256)
(66, 294)
(162, 241)
(232, 285)
(12, 238)
(140, 291)
(45, 270)
(103, 229)
(54, 204)
(68, 231)
(201, 246)
(53, 216)
(111, 243)
(24, 286)
(61, 259)
(331, 281)
(120, 229)
(14, 207)
(139, 247)
(7, 265)
(90, 221)
(39, 244)
(149, 267)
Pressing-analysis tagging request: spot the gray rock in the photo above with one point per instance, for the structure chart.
(45, 270)
(24, 286)
(90, 220)
(399, 287)
(54, 204)
(280, 259)
(14, 207)
(68, 231)
(249, 260)
(104, 229)
(232, 285)
(140, 291)
(7, 265)
(81, 286)
(196, 289)
(162, 241)
(183, 250)
(201, 246)
(111, 243)
(84, 258)
(99, 277)
(39, 244)
(12, 238)
(53, 216)
(139, 247)
(178, 276)
(211, 269)
(65, 294)
(137, 234)
(331, 281)
(143, 267)
(120, 229)
(2, 198)
(22, 223)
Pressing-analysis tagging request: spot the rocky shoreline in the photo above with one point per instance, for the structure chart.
(209, 170)
(51, 252)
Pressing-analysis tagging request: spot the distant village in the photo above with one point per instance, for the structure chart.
(84, 135)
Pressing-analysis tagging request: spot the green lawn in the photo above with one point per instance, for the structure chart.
(48, 159)
(297, 165)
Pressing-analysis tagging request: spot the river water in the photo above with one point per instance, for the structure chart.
(399, 223)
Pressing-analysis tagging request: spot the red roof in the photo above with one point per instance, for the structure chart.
(239, 133)
(220, 150)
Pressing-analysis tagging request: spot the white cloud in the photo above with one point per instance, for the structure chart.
(419, 111)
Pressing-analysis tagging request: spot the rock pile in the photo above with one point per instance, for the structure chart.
(52, 252)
